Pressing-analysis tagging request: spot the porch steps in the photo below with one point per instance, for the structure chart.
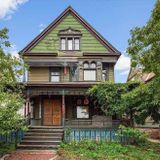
(41, 138)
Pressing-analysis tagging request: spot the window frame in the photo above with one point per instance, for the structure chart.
(55, 70)
(88, 113)
(66, 43)
(89, 68)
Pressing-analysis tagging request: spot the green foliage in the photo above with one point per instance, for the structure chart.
(134, 136)
(109, 94)
(67, 131)
(11, 70)
(146, 98)
(144, 49)
(136, 101)
(109, 97)
(89, 150)
(144, 46)
(6, 148)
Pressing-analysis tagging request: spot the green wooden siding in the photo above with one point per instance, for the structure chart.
(51, 42)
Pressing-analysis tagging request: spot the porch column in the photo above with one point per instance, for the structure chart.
(63, 108)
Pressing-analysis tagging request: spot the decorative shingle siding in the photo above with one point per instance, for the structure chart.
(51, 42)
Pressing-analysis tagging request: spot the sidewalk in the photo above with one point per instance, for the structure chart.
(31, 155)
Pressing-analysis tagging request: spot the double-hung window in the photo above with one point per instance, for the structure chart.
(63, 43)
(55, 75)
(89, 71)
(70, 43)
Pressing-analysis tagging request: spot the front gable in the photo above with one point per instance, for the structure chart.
(49, 41)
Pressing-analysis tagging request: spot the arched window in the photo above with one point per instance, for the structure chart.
(85, 65)
(89, 71)
(93, 65)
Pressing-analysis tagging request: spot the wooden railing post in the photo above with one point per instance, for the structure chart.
(63, 108)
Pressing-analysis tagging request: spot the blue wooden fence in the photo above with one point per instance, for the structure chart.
(12, 137)
(106, 134)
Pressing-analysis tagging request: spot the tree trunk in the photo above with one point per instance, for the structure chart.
(131, 119)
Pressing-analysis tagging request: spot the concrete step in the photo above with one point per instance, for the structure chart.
(39, 142)
(29, 133)
(42, 137)
(36, 147)
(45, 130)
(45, 127)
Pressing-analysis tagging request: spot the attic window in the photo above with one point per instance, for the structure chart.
(69, 39)
(70, 44)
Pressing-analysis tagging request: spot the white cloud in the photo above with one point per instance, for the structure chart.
(125, 72)
(7, 7)
(42, 27)
(123, 64)
(13, 51)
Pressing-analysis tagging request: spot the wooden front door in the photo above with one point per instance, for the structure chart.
(52, 112)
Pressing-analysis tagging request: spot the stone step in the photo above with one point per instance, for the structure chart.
(42, 137)
(36, 147)
(39, 142)
(46, 130)
(29, 133)
(45, 127)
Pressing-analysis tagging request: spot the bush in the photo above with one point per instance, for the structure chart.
(6, 148)
(101, 150)
(132, 135)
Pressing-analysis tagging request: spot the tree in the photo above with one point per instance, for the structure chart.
(144, 49)
(144, 44)
(11, 99)
(109, 97)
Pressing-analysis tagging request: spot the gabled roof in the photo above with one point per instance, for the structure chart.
(97, 35)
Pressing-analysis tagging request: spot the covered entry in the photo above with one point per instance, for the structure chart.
(52, 112)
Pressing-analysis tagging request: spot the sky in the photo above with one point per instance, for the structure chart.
(114, 19)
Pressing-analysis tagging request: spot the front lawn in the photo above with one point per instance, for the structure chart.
(92, 150)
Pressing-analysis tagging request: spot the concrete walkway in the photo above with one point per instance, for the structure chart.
(31, 155)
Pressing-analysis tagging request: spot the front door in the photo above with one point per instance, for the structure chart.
(52, 112)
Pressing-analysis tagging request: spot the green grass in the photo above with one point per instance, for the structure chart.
(6, 148)
(91, 150)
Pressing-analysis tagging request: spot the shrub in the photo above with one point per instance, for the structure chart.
(132, 135)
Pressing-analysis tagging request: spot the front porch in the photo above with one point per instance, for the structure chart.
(71, 111)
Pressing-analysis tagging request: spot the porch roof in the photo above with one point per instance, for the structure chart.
(78, 84)
(50, 88)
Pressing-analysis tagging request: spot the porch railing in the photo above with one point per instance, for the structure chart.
(98, 134)
(81, 123)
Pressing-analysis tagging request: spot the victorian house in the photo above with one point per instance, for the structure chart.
(64, 60)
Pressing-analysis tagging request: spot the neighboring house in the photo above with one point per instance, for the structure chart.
(64, 60)
(136, 74)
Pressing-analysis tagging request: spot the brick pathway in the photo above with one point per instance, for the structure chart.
(31, 155)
